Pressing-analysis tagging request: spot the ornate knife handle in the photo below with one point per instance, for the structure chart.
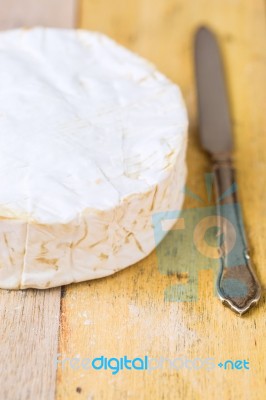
(237, 284)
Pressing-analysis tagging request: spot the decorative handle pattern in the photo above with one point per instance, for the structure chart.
(237, 284)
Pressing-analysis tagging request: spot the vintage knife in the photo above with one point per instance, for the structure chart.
(237, 284)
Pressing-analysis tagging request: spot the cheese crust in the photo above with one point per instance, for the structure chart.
(92, 143)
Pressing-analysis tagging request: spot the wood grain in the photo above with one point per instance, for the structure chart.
(29, 339)
(126, 314)
(30, 319)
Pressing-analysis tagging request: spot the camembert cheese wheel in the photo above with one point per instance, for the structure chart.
(92, 144)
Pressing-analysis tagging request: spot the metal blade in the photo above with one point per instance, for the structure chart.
(213, 108)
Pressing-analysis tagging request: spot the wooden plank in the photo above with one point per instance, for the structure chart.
(126, 314)
(29, 338)
(30, 319)
(17, 13)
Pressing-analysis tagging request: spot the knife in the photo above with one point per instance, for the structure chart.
(237, 285)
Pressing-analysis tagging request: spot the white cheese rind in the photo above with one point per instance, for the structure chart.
(92, 143)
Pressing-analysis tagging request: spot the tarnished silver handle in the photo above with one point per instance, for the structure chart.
(237, 284)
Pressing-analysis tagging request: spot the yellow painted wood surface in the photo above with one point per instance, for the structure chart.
(126, 314)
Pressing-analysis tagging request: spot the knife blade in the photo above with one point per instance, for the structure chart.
(237, 285)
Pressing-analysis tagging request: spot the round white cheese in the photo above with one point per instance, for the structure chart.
(92, 143)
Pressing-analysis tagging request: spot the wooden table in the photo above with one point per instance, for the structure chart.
(126, 314)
